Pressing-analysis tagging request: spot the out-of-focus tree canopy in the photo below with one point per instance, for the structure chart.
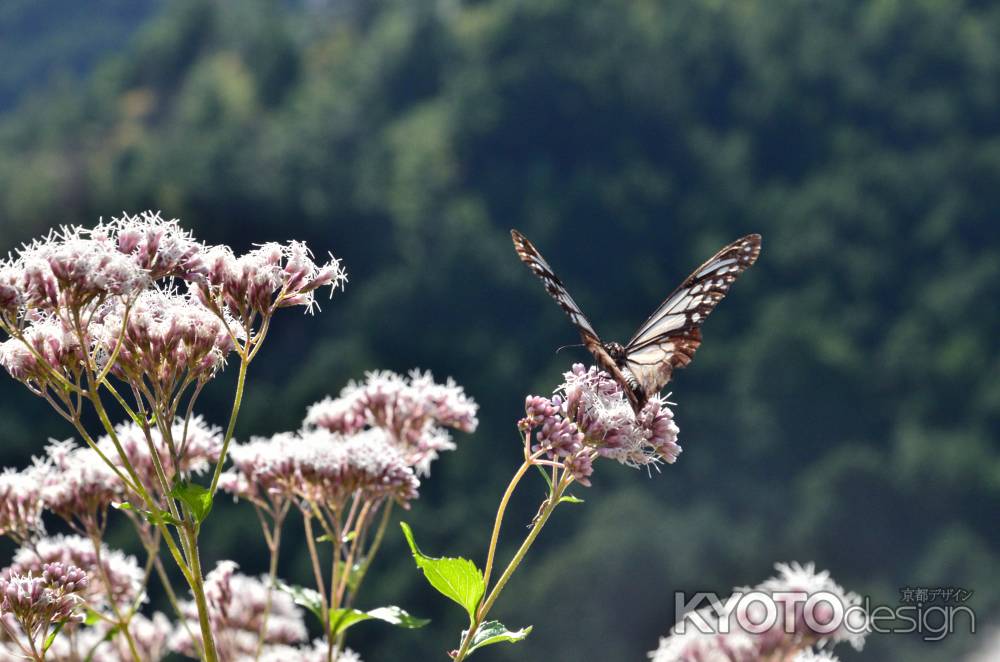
(845, 405)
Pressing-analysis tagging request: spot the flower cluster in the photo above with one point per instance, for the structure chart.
(736, 633)
(415, 411)
(590, 416)
(75, 483)
(81, 296)
(165, 337)
(269, 277)
(112, 567)
(102, 642)
(161, 248)
(236, 607)
(73, 268)
(197, 450)
(20, 504)
(37, 601)
(320, 466)
(45, 351)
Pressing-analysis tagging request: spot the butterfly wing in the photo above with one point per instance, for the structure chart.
(669, 338)
(534, 260)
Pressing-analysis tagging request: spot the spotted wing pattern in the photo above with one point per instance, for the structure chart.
(669, 338)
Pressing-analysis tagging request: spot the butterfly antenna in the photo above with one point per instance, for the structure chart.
(568, 346)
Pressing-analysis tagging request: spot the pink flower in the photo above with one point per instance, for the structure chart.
(320, 466)
(415, 411)
(122, 571)
(316, 652)
(76, 484)
(74, 268)
(39, 601)
(735, 634)
(48, 346)
(269, 277)
(589, 417)
(20, 504)
(198, 451)
(150, 635)
(168, 338)
(161, 248)
(236, 605)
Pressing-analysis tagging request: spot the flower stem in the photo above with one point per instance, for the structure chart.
(120, 621)
(198, 589)
(237, 401)
(370, 554)
(495, 537)
(536, 528)
(274, 547)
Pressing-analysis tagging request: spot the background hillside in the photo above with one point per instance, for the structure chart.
(845, 406)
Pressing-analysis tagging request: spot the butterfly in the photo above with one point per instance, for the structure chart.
(669, 338)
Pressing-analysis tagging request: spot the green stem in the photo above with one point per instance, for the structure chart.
(494, 538)
(274, 547)
(370, 553)
(120, 620)
(536, 528)
(237, 401)
(198, 590)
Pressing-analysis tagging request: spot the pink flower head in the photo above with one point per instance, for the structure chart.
(76, 484)
(314, 652)
(48, 347)
(40, 600)
(322, 467)
(11, 291)
(793, 580)
(166, 339)
(198, 451)
(415, 411)
(734, 633)
(75, 267)
(123, 571)
(269, 277)
(21, 504)
(107, 644)
(161, 248)
(236, 606)
(590, 416)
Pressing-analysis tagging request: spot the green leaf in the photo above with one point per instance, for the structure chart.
(455, 578)
(354, 573)
(341, 619)
(494, 632)
(304, 597)
(159, 517)
(52, 636)
(197, 498)
(569, 498)
(324, 538)
(545, 475)
(93, 617)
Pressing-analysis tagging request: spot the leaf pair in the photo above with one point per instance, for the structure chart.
(460, 580)
(342, 619)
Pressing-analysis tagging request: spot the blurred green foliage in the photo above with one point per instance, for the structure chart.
(845, 406)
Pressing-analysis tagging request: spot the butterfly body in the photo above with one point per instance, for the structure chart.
(669, 338)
